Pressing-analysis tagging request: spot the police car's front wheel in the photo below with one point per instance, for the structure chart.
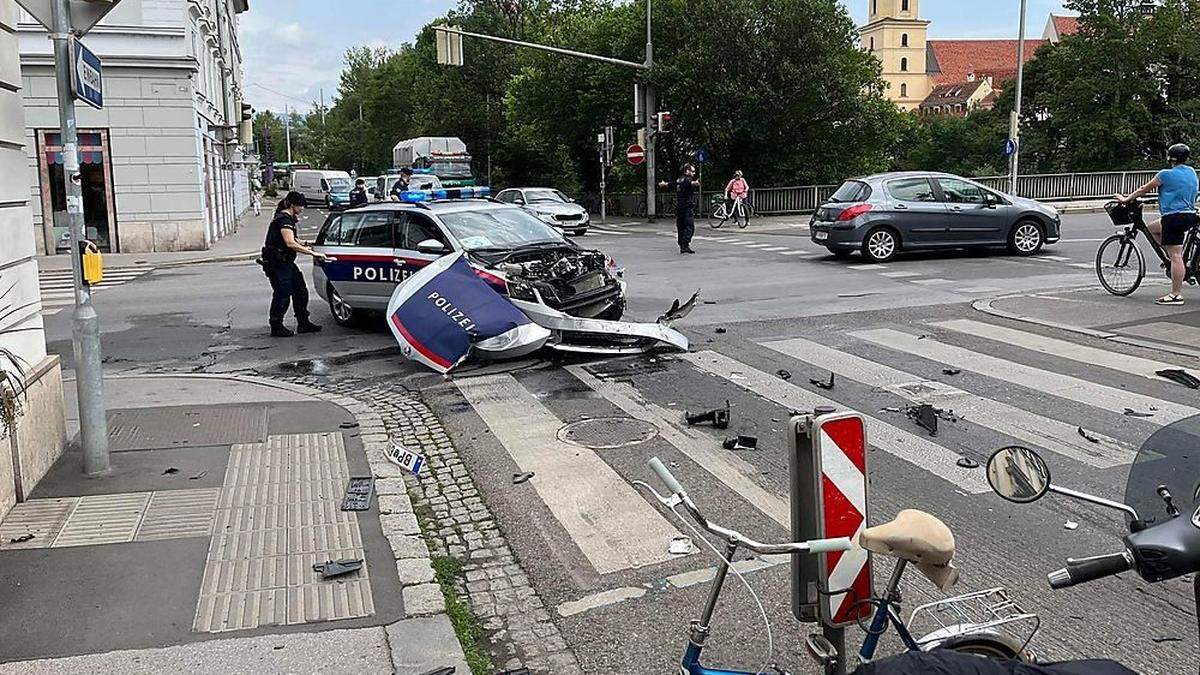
(343, 313)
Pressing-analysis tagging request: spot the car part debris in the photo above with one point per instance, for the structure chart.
(1134, 413)
(677, 311)
(822, 384)
(1181, 376)
(521, 477)
(890, 410)
(741, 442)
(171, 471)
(681, 545)
(404, 458)
(336, 568)
(722, 330)
(348, 424)
(926, 417)
(21, 539)
(783, 374)
(1086, 436)
(198, 476)
(1070, 525)
(359, 492)
(1160, 640)
(718, 417)
(578, 335)
(950, 371)
(444, 670)
(967, 463)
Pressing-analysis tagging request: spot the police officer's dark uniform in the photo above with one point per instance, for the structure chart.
(401, 183)
(287, 282)
(684, 188)
(358, 196)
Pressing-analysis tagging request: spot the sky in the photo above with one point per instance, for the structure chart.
(292, 50)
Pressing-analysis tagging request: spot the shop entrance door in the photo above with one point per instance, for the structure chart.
(95, 172)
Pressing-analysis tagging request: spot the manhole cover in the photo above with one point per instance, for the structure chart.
(607, 432)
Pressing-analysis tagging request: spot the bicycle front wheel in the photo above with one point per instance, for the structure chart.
(741, 216)
(1120, 265)
(717, 216)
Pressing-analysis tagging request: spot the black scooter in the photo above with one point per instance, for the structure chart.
(1162, 544)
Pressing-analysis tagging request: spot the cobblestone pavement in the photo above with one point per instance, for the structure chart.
(457, 523)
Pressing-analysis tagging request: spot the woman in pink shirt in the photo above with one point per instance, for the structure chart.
(738, 188)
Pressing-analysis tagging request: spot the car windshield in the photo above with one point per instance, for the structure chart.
(545, 197)
(339, 183)
(851, 191)
(452, 169)
(1170, 457)
(499, 229)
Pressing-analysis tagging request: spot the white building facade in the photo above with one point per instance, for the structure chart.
(33, 431)
(161, 166)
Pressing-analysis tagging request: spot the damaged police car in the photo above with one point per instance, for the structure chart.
(576, 293)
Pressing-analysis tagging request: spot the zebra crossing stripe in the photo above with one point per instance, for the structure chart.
(613, 526)
(731, 470)
(1061, 348)
(911, 448)
(1063, 386)
(1031, 428)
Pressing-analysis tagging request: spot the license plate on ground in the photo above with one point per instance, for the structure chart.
(820, 236)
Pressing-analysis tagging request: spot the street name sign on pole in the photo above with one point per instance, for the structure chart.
(87, 82)
(635, 154)
(67, 20)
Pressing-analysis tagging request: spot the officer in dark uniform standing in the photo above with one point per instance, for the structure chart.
(358, 196)
(401, 183)
(684, 188)
(279, 263)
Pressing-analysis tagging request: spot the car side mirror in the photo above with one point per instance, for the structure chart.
(1018, 474)
(990, 201)
(432, 247)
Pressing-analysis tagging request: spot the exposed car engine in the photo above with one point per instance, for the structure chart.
(573, 281)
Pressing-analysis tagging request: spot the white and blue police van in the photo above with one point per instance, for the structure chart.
(375, 248)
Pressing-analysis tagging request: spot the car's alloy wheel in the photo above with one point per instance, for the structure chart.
(1026, 238)
(880, 245)
(343, 313)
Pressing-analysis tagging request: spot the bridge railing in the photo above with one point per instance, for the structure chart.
(801, 199)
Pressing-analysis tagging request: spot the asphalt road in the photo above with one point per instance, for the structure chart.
(772, 302)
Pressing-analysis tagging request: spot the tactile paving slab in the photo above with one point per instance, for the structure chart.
(110, 519)
(279, 515)
(151, 429)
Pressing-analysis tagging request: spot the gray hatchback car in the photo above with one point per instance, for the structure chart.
(883, 214)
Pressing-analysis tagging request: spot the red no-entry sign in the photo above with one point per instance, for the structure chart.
(636, 154)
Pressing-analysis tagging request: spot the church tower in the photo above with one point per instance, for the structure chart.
(896, 35)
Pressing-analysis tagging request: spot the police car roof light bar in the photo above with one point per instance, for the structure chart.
(418, 196)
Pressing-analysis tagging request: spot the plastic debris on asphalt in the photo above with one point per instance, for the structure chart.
(336, 568)
(741, 442)
(967, 463)
(1086, 436)
(1181, 376)
(718, 417)
(822, 383)
(522, 477)
(681, 545)
(1070, 525)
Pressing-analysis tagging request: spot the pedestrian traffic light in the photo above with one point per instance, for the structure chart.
(662, 122)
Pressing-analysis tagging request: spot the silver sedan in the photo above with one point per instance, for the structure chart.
(551, 207)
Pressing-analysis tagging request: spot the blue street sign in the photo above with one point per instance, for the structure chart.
(702, 156)
(1010, 147)
(87, 82)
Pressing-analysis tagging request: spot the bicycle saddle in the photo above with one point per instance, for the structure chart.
(919, 538)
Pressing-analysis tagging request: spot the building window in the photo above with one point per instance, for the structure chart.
(903, 91)
(904, 65)
(904, 39)
(903, 5)
(872, 44)
(874, 6)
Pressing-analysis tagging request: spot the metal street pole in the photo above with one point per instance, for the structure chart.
(89, 373)
(287, 131)
(648, 109)
(1015, 123)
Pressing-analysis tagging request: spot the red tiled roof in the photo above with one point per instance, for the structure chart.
(954, 60)
(1065, 25)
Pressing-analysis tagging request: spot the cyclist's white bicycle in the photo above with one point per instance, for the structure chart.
(722, 211)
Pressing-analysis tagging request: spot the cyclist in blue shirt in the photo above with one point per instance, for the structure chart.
(1177, 191)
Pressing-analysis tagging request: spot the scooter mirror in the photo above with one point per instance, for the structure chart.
(1018, 474)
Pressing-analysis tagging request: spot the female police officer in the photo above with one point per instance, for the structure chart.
(279, 262)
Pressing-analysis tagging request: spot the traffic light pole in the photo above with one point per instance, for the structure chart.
(651, 143)
(89, 374)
